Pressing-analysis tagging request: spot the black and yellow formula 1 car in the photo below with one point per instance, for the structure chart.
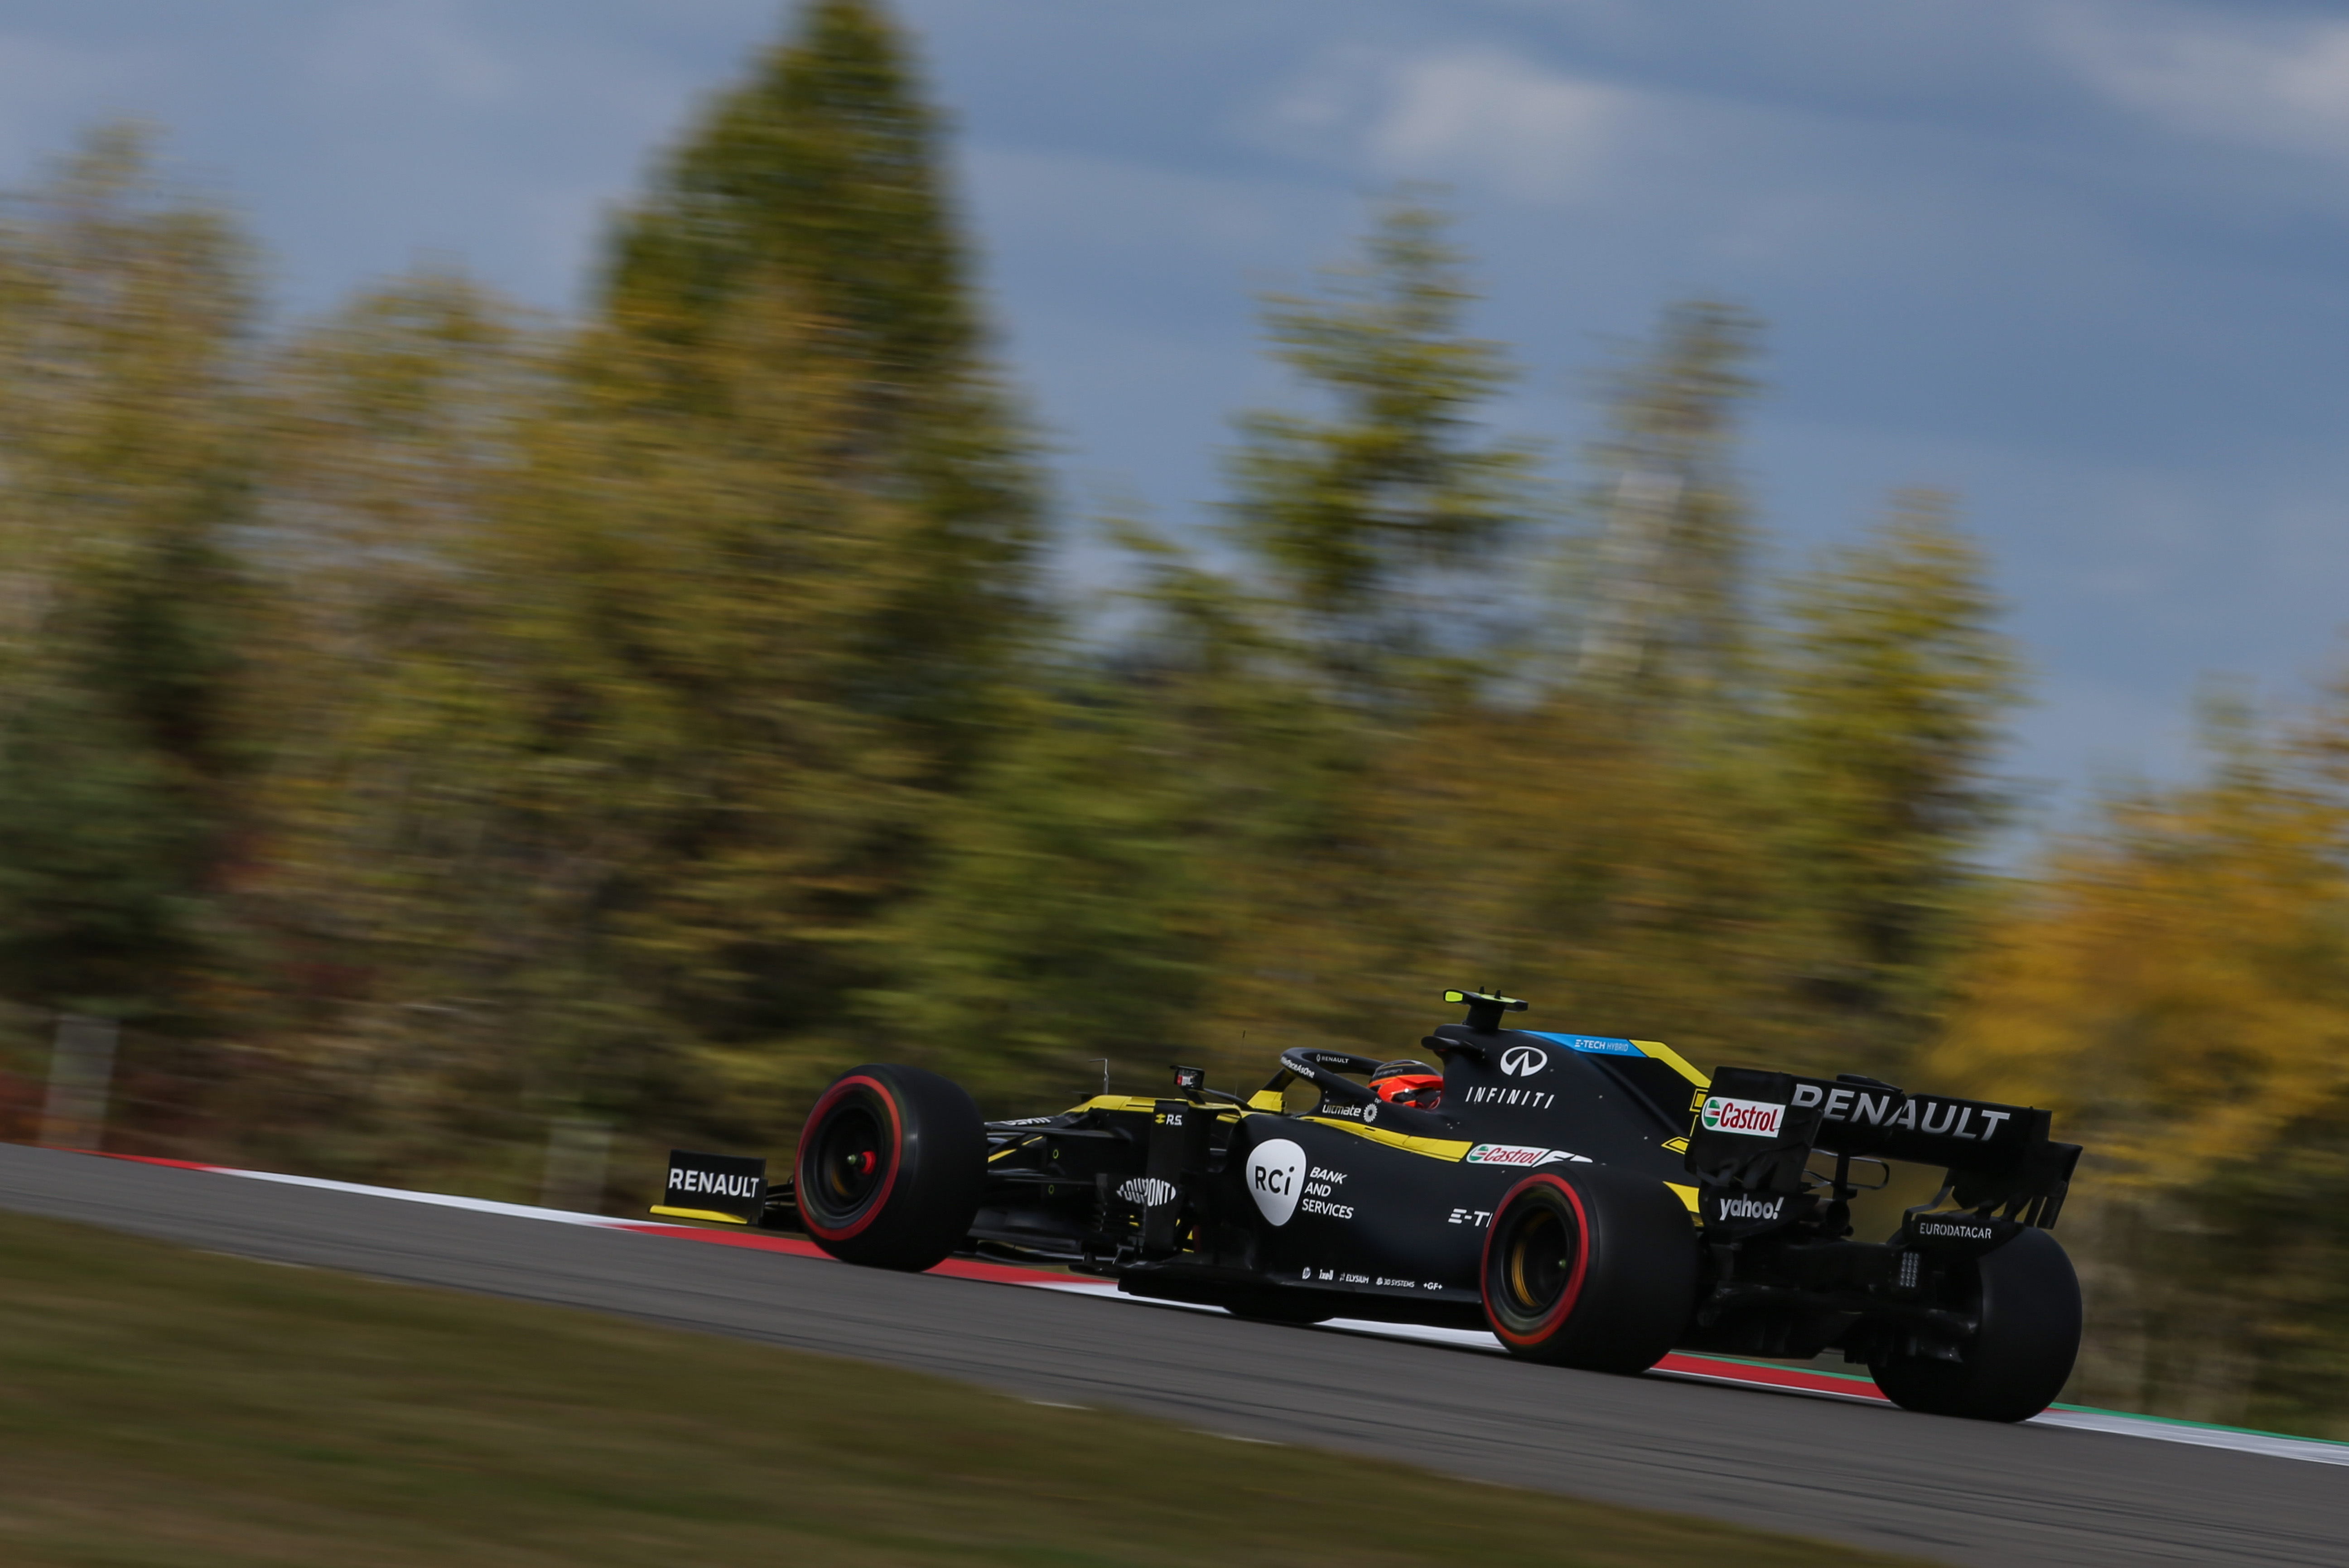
(1594, 1201)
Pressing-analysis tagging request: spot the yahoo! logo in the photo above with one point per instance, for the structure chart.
(1522, 1061)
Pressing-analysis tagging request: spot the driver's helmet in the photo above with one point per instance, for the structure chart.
(1407, 1084)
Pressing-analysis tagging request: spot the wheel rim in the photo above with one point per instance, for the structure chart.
(848, 1159)
(850, 1153)
(1535, 1257)
(1536, 1261)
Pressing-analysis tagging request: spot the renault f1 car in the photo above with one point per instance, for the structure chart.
(1594, 1201)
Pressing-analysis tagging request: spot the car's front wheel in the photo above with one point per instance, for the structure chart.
(1595, 1267)
(890, 1167)
(2025, 1303)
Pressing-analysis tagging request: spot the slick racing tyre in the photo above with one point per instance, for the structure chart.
(2026, 1300)
(890, 1167)
(1594, 1268)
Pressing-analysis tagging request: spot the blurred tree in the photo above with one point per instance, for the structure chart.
(125, 470)
(1356, 615)
(793, 369)
(1366, 522)
(1579, 835)
(1628, 889)
(735, 808)
(1075, 906)
(820, 178)
(703, 623)
(1125, 882)
(820, 171)
(396, 434)
(1893, 684)
(393, 426)
(2179, 976)
(1667, 618)
(635, 830)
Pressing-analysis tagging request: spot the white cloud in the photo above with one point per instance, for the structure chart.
(1475, 115)
(2282, 87)
(1536, 132)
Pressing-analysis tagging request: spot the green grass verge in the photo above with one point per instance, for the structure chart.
(164, 1406)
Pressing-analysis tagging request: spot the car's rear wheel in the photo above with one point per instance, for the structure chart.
(890, 1167)
(1595, 1269)
(2025, 1301)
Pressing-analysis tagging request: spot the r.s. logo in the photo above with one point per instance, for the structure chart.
(1274, 1171)
(1522, 1061)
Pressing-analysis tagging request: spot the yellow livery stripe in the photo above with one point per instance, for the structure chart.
(1434, 1148)
(700, 1214)
(1111, 1103)
(1674, 1060)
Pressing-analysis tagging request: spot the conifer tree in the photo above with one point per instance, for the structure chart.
(1666, 617)
(820, 178)
(823, 168)
(746, 616)
(1361, 518)
(1895, 688)
(685, 637)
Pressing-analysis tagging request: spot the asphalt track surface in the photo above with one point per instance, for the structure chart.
(1959, 1493)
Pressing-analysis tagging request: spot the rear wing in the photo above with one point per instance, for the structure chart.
(1754, 1131)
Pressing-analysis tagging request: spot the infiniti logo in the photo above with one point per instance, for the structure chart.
(1522, 1061)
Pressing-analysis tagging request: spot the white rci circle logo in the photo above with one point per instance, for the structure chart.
(1522, 1061)
(1275, 1168)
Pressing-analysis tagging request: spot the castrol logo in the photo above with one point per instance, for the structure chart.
(1754, 1116)
(1517, 1154)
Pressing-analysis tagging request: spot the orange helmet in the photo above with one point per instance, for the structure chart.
(1407, 1084)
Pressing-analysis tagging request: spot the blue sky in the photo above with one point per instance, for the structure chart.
(2081, 263)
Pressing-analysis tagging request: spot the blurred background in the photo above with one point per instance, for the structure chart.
(567, 572)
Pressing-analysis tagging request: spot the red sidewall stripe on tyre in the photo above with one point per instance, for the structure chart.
(1566, 1299)
(896, 1154)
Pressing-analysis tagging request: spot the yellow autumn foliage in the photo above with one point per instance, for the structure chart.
(2175, 988)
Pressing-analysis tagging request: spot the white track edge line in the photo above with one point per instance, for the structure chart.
(438, 1200)
(2274, 1445)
